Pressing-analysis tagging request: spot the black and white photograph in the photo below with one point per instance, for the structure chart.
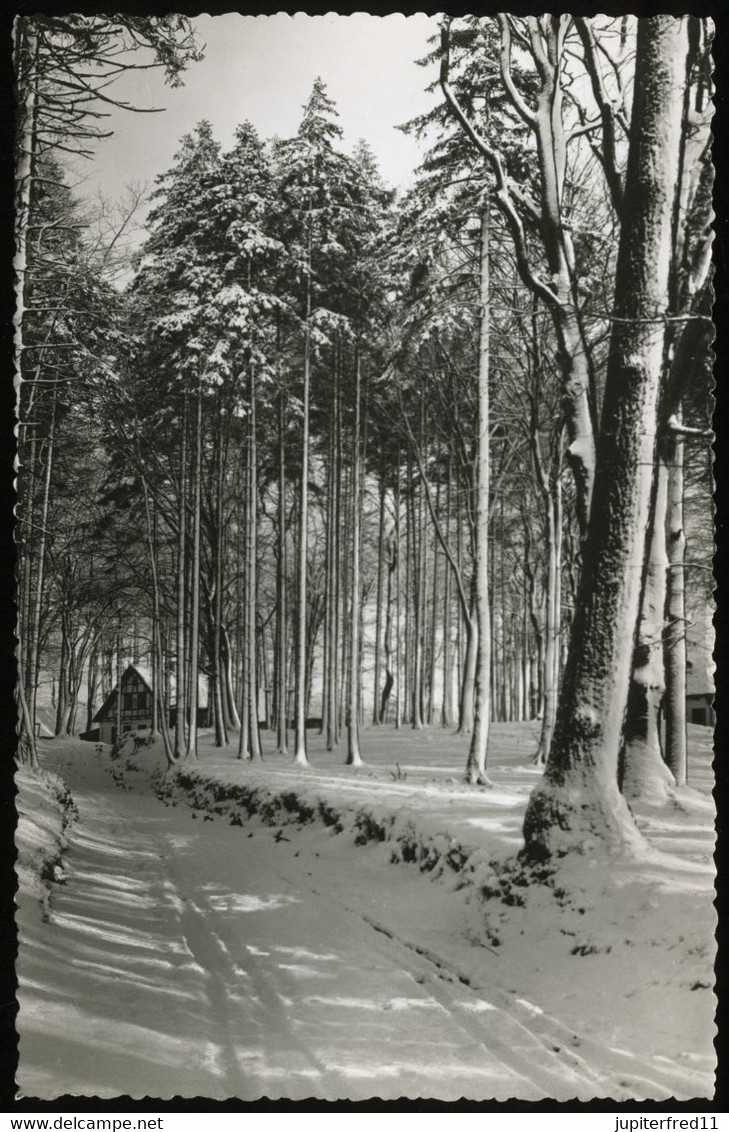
(364, 530)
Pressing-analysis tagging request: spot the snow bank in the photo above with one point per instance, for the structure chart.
(620, 950)
(45, 810)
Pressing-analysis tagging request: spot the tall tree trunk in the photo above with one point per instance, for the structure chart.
(26, 55)
(119, 673)
(376, 705)
(354, 758)
(333, 654)
(245, 702)
(180, 697)
(409, 560)
(476, 763)
(159, 699)
(345, 556)
(252, 573)
(281, 572)
(551, 636)
(300, 756)
(91, 683)
(447, 713)
(37, 608)
(578, 801)
(467, 703)
(420, 585)
(61, 705)
(433, 644)
(674, 652)
(398, 599)
(328, 561)
(228, 689)
(221, 737)
(392, 566)
(26, 720)
(191, 751)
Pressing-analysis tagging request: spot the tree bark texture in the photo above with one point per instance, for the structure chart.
(578, 802)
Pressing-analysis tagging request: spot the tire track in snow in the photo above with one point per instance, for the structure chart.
(432, 976)
(204, 932)
(545, 1040)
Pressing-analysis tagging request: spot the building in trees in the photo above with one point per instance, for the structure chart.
(136, 707)
(700, 672)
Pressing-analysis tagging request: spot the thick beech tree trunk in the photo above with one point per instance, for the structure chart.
(476, 764)
(578, 802)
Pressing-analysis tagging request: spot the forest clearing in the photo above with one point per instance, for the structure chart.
(365, 538)
(370, 905)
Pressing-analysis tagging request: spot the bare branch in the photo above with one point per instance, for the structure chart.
(503, 194)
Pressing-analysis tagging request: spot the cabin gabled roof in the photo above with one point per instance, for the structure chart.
(110, 701)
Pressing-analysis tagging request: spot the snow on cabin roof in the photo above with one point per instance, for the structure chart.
(145, 674)
(129, 672)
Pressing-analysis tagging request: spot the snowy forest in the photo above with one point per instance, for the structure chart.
(357, 477)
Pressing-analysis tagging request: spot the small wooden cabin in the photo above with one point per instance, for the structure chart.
(136, 707)
(700, 689)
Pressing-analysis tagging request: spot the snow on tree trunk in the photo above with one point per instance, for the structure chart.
(645, 776)
(476, 764)
(577, 804)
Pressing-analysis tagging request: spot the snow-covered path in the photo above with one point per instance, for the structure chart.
(186, 957)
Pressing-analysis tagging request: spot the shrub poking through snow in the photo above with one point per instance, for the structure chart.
(45, 811)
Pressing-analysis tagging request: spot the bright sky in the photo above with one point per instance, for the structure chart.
(262, 68)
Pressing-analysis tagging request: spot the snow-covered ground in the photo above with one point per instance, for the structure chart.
(329, 933)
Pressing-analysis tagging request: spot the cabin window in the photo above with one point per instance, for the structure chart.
(698, 715)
